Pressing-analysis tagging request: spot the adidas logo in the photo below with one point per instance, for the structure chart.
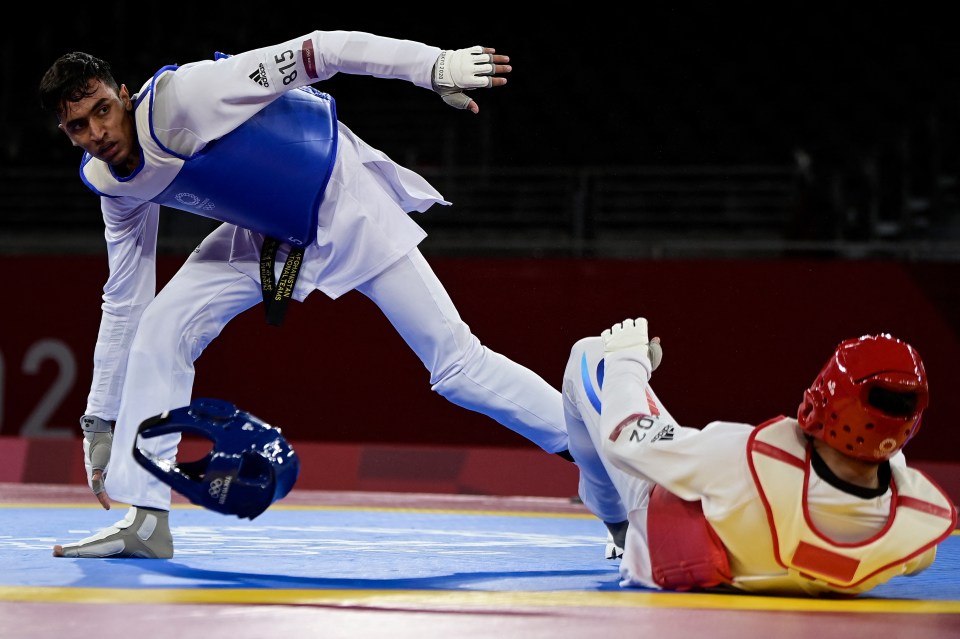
(665, 434)
(259, 76)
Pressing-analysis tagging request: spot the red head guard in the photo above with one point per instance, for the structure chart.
(868, 399)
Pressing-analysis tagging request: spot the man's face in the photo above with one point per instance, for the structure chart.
(101, 124)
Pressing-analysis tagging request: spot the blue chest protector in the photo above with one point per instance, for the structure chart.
(267, 175)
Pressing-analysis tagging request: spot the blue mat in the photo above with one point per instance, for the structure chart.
(355, 549)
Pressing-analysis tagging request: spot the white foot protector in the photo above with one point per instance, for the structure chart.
(143, 533)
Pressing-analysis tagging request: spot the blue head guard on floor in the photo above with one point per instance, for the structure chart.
(249, 466)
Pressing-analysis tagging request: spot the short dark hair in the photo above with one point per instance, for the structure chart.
(68, 80)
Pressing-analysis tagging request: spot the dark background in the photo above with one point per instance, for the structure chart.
(598, 83)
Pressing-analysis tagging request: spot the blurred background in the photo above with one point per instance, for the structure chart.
(685, 130)
(760, 181)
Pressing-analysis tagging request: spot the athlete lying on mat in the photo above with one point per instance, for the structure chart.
(818, 504)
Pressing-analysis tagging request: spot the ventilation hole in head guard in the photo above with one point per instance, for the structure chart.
(253, 468)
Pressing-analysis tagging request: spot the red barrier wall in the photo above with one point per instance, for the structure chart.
(742, 339)
(474, 470)
(402, 468)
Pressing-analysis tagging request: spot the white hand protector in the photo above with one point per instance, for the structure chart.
(97, 444)
(632, 333)
(629, 333)
(462, 69)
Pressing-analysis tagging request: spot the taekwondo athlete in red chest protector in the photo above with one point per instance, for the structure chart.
(817, 504)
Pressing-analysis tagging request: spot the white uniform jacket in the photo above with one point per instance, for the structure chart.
(199, 102)
(785, 530)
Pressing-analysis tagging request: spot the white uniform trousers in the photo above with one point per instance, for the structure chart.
(209, 290)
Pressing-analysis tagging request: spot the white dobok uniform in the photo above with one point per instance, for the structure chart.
(365, 240)
(772, 523)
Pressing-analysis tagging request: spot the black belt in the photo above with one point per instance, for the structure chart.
(276, 294)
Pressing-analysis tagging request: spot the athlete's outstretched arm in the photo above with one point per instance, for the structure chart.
(210, 98)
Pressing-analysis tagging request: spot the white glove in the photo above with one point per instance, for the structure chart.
(462, 69)
(97, 444)
(632, 334)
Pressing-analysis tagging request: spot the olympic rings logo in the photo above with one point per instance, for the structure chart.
(193, 201)
(887, 445)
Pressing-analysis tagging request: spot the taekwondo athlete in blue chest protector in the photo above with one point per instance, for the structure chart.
(305, 204)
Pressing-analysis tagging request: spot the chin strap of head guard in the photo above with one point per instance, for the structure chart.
(249, 466)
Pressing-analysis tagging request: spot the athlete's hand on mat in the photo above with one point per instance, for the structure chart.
(466, 69)
(632, 333)
(97, 444)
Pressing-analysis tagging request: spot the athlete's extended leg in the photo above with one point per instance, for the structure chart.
(186, 315)
(462, 369)
(596, 488)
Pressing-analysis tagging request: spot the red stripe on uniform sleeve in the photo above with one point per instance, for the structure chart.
(652, 405)
(309, 58)
(629, 420)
